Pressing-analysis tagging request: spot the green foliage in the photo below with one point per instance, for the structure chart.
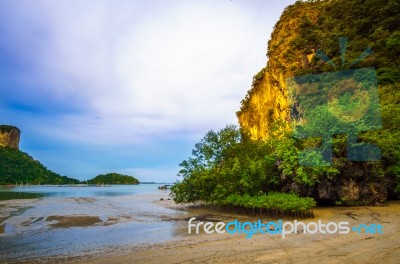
(308, 26)
(273, 202)
(258, 77)
(7, 128)
(201, 171)
(393, 42)
(226, 165)
(113, 178)
(19, 167)
(287, 150)
(210, 150)
(227, 168)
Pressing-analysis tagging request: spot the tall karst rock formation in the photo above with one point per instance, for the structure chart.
(9, 136)
(306, 27)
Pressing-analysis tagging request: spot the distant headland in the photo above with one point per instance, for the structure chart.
(17, 167)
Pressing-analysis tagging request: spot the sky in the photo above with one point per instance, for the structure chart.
(100, 86)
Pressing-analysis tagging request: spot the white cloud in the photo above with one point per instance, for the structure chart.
(182, 66)
(120, 72)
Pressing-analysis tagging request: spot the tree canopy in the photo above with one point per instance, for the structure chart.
(18, 167)
(113, 178)
(266, 155)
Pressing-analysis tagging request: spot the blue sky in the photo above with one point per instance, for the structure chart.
(102, 86)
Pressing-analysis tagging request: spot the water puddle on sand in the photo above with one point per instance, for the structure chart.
(57, 221)
(71, 226)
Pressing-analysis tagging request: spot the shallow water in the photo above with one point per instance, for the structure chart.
(36, 191)
(75, 220)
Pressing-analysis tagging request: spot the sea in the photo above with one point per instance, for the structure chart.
(38, 191)
(48, 221)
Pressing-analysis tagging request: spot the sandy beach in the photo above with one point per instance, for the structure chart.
(296, 248)
(226, 248)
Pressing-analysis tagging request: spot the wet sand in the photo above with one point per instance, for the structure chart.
(60, 227)
(72, 220)
(225, 248)
(296, 248)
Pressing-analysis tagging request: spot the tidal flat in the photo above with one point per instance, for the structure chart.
(295, 248)
(142, 228)
(64, 225)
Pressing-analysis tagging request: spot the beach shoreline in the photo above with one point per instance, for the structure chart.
(226, 248)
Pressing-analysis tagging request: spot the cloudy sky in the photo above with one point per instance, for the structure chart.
(127, 86)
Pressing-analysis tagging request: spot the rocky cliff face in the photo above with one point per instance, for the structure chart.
(266, 101)
(304, 31)
(309, 26)
(9, 136)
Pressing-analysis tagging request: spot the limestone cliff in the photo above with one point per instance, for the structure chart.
(9, 136)
(266, 101)
(306, 41)
(309, 26)
(17, 167)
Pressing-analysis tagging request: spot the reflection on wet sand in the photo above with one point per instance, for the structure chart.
(76, 225)
(296, 248)
(58, 221)
(145, 229)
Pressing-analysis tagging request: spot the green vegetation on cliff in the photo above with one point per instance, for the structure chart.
(7, 128)
(18, 167)
(263, 155)
(229, 169)
(113, 178)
